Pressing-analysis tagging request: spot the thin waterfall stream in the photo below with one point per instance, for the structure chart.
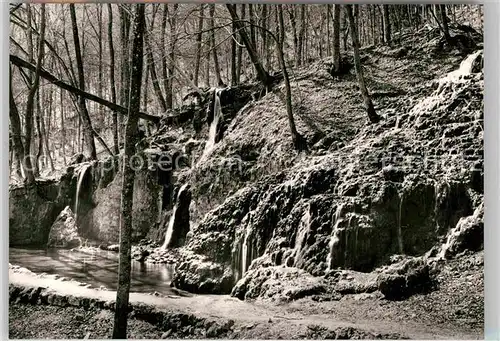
(81, 176)
(211, 141)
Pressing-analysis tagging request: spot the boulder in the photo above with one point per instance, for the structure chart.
(278, 283)
(64, 231)
(405, 278)
(467, 235)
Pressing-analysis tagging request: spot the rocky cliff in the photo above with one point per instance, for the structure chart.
(361, 194)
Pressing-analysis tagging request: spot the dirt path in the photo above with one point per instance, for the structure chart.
(266, 320)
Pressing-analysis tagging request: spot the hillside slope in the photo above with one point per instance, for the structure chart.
(381, 205)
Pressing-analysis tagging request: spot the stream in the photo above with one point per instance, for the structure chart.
(95, 267)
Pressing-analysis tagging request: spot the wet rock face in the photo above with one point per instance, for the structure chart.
(405, 278)
(64, 231)
(101, 222)
(199, 275)
(398, 187)
(181, 218)
(32, 210)
(278, 284)
(468, 234)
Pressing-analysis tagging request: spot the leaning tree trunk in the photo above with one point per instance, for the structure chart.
(370, 109)
(86, 123)
(152, 70)
(262, 74)
(122, 294)
(297, 139)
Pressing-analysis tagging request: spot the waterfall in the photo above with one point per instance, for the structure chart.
(400, 235)
(465, 69)
(301, 234)
(334, 240)
(171, 222)
(78, 187)
(244, 253)
(467, 64)
(212, 134)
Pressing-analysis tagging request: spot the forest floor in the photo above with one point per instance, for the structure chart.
(447, 313)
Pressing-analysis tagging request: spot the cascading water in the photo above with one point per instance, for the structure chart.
(244, 254)
(334, 240)
(301, 234)
(212, 133)
(466, 67)
(171, 222)
(81, 176)
(400, 234)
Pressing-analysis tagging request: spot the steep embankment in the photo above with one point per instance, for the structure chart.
(283, 225)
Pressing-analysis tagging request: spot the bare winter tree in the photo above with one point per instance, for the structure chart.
(370, 109)
(122, 294)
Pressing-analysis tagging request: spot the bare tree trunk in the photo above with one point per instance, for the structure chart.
(28, 163)
(293, 23)
(444, 20)
(63, 128)
(328, 46)
(152, 71)
(213, 47)
(251, 18)
(265, 49)
(262, 74)
(171, 66)
(239, 63)
(234, 77)
(100, 121)
(336, 37)
(199, 37)
(370, 109)
(87, 125)
(116, 147)
(300, 46)
(124, 10)
(76, 91)
(297, 139)
(387, 24)
(39, 149)
(15, 125)
(45, 131)
(122, 294)
(207, 65)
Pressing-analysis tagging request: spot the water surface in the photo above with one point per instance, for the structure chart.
(95, 267)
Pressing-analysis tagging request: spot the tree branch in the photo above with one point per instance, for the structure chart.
(63, 85)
